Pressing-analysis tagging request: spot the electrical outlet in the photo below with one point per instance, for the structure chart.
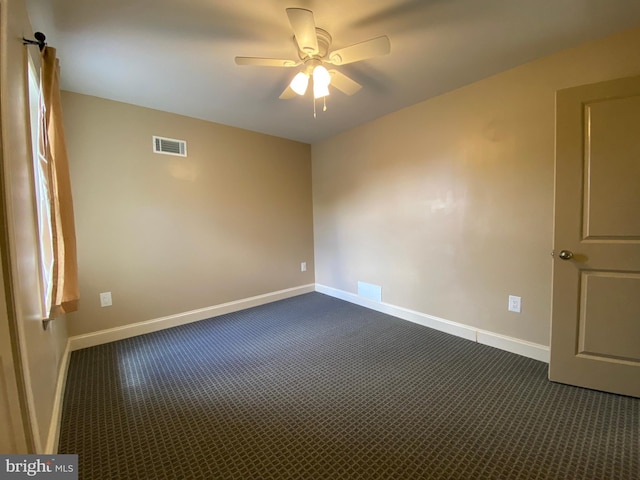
(515, 303)
(105, 299)
(303, 267)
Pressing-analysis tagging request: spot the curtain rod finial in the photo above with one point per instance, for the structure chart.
(40, 40)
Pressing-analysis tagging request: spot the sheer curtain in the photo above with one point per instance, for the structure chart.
(63, 273)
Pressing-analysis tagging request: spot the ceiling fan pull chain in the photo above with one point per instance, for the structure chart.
(324, 99)
(314, 108)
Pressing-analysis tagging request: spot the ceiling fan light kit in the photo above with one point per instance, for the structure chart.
(321, 81)
(314, 51)
(300, 83)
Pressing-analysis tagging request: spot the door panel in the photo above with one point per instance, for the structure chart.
(612, 180)
(600, 333)
(595, 334)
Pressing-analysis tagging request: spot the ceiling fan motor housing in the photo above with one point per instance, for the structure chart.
(324, 42)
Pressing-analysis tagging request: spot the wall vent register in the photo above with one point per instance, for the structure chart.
(169, 146)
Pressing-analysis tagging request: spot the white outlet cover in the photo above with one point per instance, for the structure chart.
(515, 303)
(105, 299)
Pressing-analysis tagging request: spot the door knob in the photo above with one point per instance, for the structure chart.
(565, 254)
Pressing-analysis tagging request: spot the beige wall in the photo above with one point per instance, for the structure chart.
(41, 351)
(167, 234)
(448, 204)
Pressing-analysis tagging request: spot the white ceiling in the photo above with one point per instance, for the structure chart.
(178, 55)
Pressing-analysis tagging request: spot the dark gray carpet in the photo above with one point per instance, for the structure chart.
(313, 387)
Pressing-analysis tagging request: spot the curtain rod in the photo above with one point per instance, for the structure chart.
(40, 40)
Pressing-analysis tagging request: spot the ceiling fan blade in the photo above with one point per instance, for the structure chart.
(344, 83)
(361, 51)
(288, 93)
(265, 62)
(304, 28)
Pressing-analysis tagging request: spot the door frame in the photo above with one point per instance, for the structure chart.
(12, 373)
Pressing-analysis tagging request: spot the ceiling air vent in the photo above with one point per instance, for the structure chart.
(169, 146)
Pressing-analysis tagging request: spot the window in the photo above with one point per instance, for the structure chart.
(41, 180)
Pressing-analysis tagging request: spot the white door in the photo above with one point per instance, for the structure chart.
(595, 333)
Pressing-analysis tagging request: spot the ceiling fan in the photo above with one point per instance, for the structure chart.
(314, 52)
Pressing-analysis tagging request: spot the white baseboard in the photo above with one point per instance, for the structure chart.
(514, 345)
(503, 342)
(126, 331)
(51, 447)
